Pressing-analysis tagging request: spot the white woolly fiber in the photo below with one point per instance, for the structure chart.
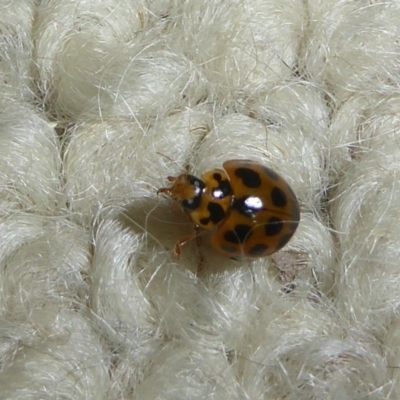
(30, 161)
(16, 48)
(100, 102)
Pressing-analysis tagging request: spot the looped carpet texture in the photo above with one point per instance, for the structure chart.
(100, 101)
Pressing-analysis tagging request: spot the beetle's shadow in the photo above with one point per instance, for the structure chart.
(163, 222)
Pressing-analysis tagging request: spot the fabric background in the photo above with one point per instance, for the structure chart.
(100, 101)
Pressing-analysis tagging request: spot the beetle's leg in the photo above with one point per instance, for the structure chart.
(184, 240)
(167, 190)
(164, 190)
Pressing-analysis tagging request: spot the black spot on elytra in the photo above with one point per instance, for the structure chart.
(278, 197)
(284, 240)
(239, 234)
(258, 250)
(204, 221)
(238, 204)
(273, 227)
(217, 213)
(271, 173)
(250, 178)
(245, 208)
(217, 176)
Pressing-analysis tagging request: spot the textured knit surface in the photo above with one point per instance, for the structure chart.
(100, 101)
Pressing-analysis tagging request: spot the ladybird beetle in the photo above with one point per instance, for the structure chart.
(253, 210)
